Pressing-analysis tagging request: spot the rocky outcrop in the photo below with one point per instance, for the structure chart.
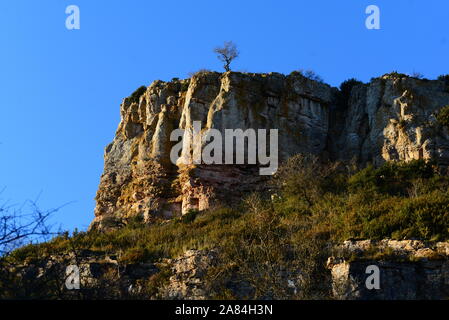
(140, 179)
(408, 270)
(188, 273)
(101, 276)
(391, 118)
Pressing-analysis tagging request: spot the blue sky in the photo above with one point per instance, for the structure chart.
(60, 90)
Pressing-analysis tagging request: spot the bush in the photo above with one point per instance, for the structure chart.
(134, 255)
(345, 92)
(443, 116)
(198, 73)
(444, 78)
(134, 97)
(305, 178)
(417, 75)
(425, 217)
(267, 241)
(309, 74)
(396, 74)
(189, 216)
(391, 178)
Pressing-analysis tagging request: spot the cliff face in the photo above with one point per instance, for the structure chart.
(140, 179)
(391, 118)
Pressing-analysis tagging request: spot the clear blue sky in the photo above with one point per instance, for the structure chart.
(60, 90)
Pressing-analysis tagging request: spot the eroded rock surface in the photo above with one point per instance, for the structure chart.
(140, 179)
(391, 118)
(188, 273)
(408, 270)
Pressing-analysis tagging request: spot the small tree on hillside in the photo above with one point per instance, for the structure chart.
(227, 53)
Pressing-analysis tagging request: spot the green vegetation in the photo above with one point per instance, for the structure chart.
(443, 116)
(418, 75)
(345, 92)
(134, 97)
(199, 72)
(391, 178)
(309, 74)
(313, 205)
(396, 200)
(396, 74)
(444, 78)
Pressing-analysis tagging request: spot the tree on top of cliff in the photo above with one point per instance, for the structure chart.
(227, 53)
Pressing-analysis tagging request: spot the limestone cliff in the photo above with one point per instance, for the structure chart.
(393, 118)
(390, 118)
(139, 178)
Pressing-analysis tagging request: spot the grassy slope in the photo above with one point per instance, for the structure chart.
(314, 205)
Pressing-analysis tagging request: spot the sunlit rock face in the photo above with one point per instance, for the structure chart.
(391, 118)
(140, 179)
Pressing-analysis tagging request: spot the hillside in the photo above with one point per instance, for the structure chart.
(362, 180)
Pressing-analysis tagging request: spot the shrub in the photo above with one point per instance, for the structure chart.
(417, 75)
(443, 116)
(267, 252)
(156, 282)
(199, 72)
(309, 74)
(444, 78)
(396, 74)
(185, 85)
(345, 92)
(134, 97)
(392, 178)
(265, 241)
(306, 178)
(134, 255)
(189, 216)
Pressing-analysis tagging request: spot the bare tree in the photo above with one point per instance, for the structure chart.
(18, 228)
(227, 53)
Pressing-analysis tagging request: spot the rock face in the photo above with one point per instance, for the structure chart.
(188, 273)
(391, 118)
(101, 276)
(408, 270)
(140, 179)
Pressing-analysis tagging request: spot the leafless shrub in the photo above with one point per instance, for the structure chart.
(306, 176)
(19, 226)
(227, 53)
(309, 74)
(195, 73)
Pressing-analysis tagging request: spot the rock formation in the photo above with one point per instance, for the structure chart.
(393, 118)
(390, 118)
(409, 270)
(188, 275)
